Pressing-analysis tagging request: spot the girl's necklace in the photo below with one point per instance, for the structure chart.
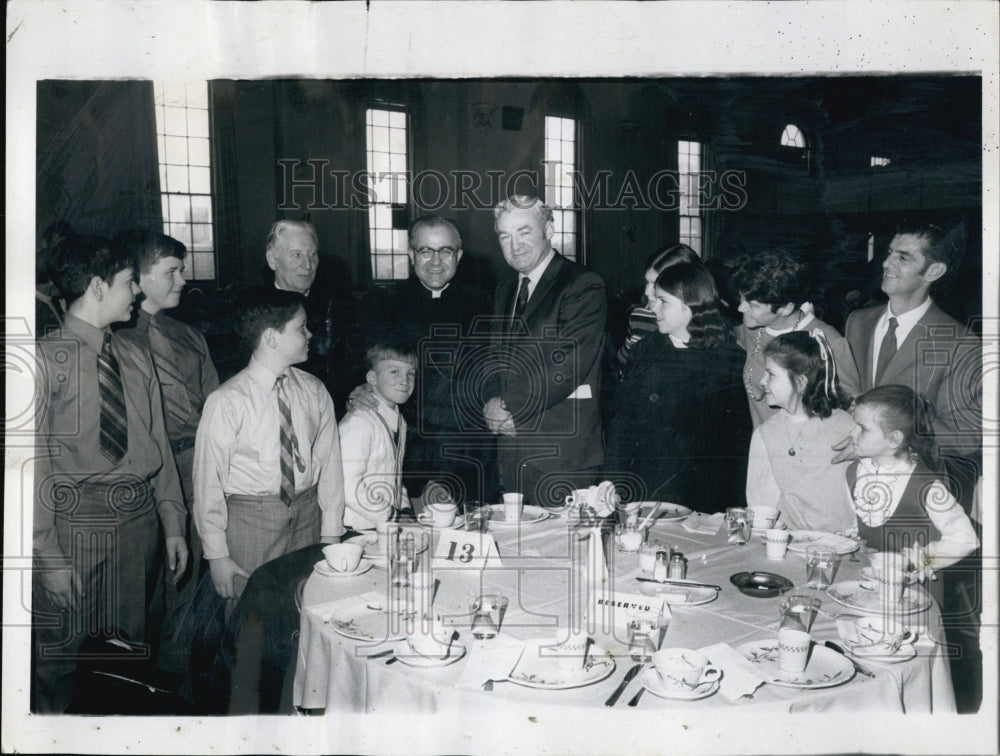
(798, 437)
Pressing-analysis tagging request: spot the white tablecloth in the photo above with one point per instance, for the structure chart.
(332, 672)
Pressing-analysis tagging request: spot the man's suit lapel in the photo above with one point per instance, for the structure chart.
(867, 347)
(545, 284)
(903, 363)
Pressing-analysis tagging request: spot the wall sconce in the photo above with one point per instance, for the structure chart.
(482, 118)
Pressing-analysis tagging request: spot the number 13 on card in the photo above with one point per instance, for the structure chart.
(460, 550)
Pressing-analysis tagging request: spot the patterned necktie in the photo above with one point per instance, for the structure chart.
(175, 396)
(288, 444)
(522, 297)
(114, 417)
(887, 351)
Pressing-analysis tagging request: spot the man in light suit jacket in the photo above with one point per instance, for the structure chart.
(545, 383)
(928, 351)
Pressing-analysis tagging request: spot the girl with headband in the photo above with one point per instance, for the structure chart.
(789, 465)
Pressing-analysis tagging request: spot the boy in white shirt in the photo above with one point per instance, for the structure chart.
(374, 440)
(267, 470)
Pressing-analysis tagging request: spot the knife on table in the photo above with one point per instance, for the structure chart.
(613, 699)
(683, 583)
(859, 667)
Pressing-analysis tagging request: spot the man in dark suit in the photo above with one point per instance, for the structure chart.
(434, 311)
(545, 381)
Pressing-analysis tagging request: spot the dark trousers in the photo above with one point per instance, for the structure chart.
(114, 554)
(171, 598)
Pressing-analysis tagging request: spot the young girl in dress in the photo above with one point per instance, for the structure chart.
(901, 504)
(789, 465)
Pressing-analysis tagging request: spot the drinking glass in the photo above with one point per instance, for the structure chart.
(798, 609)
(739, 525)
(821, 566)
(477, 516)
(402, 560)
(487, 613)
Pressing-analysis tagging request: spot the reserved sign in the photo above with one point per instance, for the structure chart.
(616, 608)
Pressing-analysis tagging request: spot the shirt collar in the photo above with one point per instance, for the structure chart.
(88, 334)
(262, 374)
(303, 293)
(907, 320)
(536, 275)
(898, 466)
(435, 293)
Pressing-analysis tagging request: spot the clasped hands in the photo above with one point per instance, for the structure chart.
(498, 419)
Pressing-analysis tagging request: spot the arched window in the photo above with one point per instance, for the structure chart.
(792, 136)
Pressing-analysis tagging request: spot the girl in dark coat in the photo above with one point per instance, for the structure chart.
(680, 429)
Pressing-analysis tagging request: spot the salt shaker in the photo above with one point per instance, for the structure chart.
(661, 568)
(678, 567)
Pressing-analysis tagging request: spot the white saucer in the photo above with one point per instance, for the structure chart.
(327, 571)
(902, 654)
(429, 523)
(652, 682)
(529, 515)
(411, 658)
(533, 670)
(863, 595)
(868, 575)
(825, 669)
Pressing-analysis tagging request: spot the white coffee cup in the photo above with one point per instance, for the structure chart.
(513, 503)
(889, 569)
(571, 648)
(793, 649)
(881, 636)
(776, 542)
(423, 584)
(579, 497)
(763, 517)
(343, 557)
(442, 514)
(684, 667)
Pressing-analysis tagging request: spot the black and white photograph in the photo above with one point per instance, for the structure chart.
(501, 377)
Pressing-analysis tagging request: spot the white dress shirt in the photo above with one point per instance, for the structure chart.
(237, 449)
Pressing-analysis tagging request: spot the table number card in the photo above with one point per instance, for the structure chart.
(462, 550)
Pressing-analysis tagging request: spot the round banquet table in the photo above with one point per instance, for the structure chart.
(333, 673)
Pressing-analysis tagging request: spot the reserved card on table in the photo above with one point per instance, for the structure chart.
(616, 608)
(462, 550)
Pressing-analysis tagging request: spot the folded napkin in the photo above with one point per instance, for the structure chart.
(699, 522)
(492, 659)
(327, 610)
(739, 678)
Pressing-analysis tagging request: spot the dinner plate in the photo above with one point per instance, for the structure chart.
(760, 584)
(863, 595)
(326, 570)
(901, 654)
(367, 622)
(411, 658)
(529, 515)
(825, 669)
(668, 512)
(652, 682)
(536, 671)
(680, 595)
(802, 539)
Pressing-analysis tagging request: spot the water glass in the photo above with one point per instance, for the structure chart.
(487, 613)
(402, 560)
(798, 609)
(739, 525)
(821, 566)
(477, 516)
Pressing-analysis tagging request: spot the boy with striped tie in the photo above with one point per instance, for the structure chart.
(267, 469)
(187, 375)
(105, 470)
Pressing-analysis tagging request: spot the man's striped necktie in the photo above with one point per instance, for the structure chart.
(114, 416)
